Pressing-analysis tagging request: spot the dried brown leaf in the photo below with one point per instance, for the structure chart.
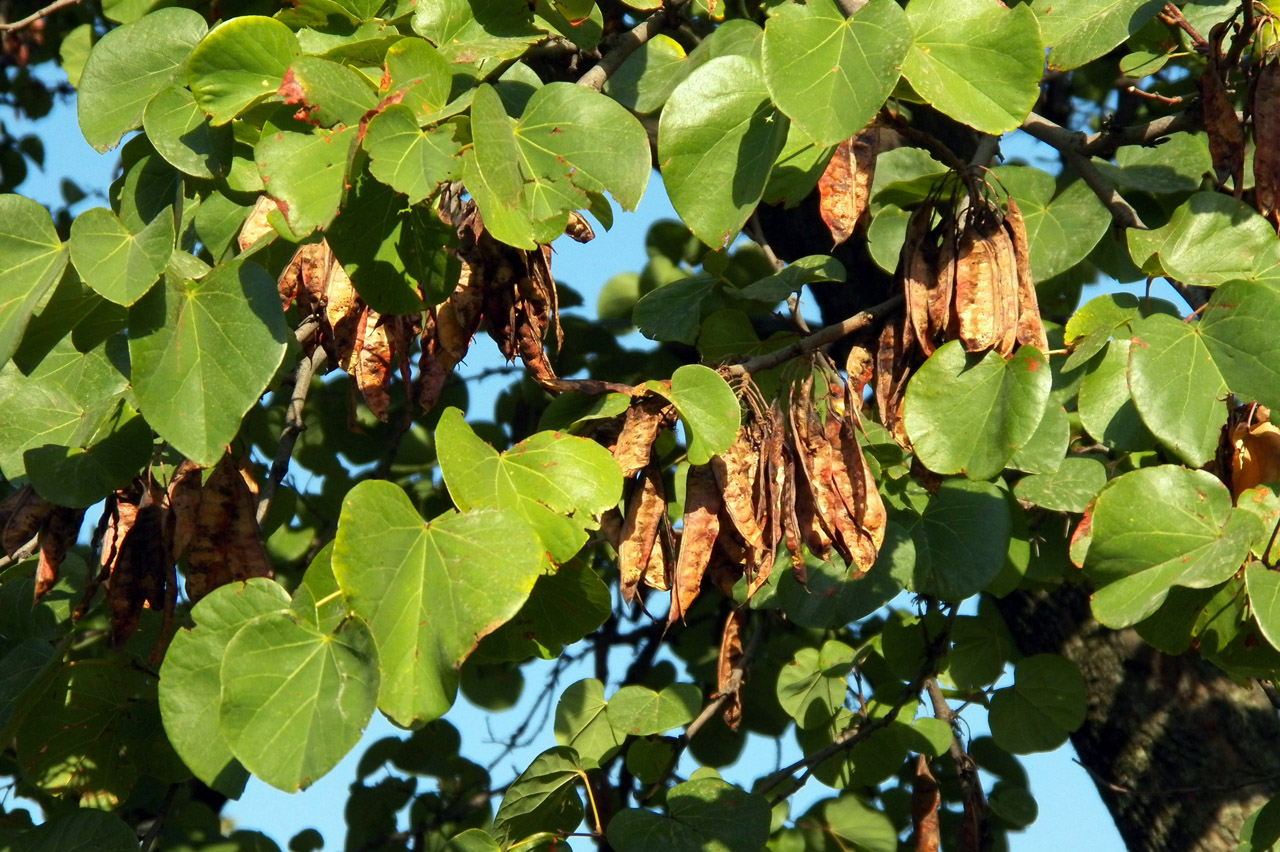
(790, 523)
(371, 367)
(183, 500)
(845, 185)
(256, 225)
(645, 510)
(579, 228)
(138, 564)
(226, 545)
(697, 539)
(22, 515)
(848, 474)
(727, 681)
(56, 538)
(1255, 452)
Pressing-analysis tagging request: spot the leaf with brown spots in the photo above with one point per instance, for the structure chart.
(1265, 110)
(697, 539)
(58, 535)
(730, 655)
(226, 545)
(639, 534)
(845, 186)
(1226, 137)
(22, 515)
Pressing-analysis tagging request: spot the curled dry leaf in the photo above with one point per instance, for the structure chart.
(639, 535)
(845, 186)
(697, 539)
(22, 515)
(58, 535)
(578, 228)
(371, 365)
(225, 545)
(256, 225)
(1265, 109)
(1255, 452)
(1226, 137)
(769, 511)
(727, 681)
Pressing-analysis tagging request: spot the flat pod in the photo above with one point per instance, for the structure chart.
(977, 307)
(643, 420)
(698, 538)
(1226, 138)
(636, 550)
(845, 186)
(736, 475)
(918, 278)
(1030, 325)
(1266, 138)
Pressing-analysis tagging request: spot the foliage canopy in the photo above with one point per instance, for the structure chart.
(243, 367)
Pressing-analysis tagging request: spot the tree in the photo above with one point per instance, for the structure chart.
(244, 370)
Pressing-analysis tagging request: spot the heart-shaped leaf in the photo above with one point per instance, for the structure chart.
(306, 173)
(640, 711)
(407, 159)
(1082, 30)
(34, 260)
(239, 63)
(1044, 705)
(182, 134)
(1063, 223)
(962, 539)
(582, 722)
(706, 815)
(429, 592)
(119, 265)
(1237, 326)
(707, 406)
(1210, 239)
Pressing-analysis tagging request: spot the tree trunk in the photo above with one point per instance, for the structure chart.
(1181, 755)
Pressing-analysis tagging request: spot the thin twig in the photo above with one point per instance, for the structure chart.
(1171, 14)
(628, 43)
(293, 426)
(21, 553)
(37, 15)
(1069, 143)
(821, 337)
(736, 676)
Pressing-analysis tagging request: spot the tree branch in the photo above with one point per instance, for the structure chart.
(293, 426)
(821, 337)
(628, 43)
(37, 15)
(736, 675)
(1069, 144)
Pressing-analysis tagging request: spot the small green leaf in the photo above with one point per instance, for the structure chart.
(182, 134)
(853, 822)
(294, 699)
(1177, 387)
(1083, 30)
(582, 723)
(429, 592)
(191, 684)
(717, 140)
(1044, 450)
(964, 535)
(1160, 527)
(81, 476)
(34, 260)
(1069, 489)
(831, 74)
(813, 685)
(706, 815)
(242, 61)
(805, 270)
(202, 353)
(971, 412)
(419, 74)
(978, 62)
(980, 646)
(407, 159)
(1238, 327)
(129, 66)
(84, 830)
(708, 408)
(542, 798)
(1106, 407)
(673, 311)
(558, 483)
(639, 711)
(306, 173)
(1044, 705)
(1210, 239)
(334, 94)
(475, 36)
(119, 265)
(649, 75)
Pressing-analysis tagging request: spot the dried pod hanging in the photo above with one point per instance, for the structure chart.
(1265, 109)
(845, 186)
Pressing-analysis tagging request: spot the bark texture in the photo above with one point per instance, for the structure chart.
(1181, 754)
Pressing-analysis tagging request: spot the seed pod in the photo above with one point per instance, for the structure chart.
(1265, 110)
(735, 471)
(845, 186)
(1006, 296)
(977, 289)
(919, 278)
(1226, 138)
(640, 531)
(730, 654)
(644, 419)
(1030, 325)
(698, 538)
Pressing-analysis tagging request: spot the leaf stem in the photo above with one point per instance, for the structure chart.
(293, 426)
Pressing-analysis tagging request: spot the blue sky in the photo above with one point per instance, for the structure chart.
(1071, 814)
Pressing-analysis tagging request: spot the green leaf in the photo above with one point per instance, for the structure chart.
(717, 140)
(557, 483)
(1210, 239)
(84, 830)
(475, 36)
(1083, 30)
(831, 74)
(242, 61)
(182, 134)
(582, 723)
(980, 648)
(81, 476)
(812, 687)
(492, 171)
(853, 822)
(971, 412)
(649, 75)
(120, 265)
(1069, 489)
(429, 592)
(318, 597)
(706, 815)
(563, 607)
(542, 798)
(1092, 325)
(409, 160)
(1044, 705)
(1177, 387)
(34, 258)
(1264, 599)
(708, 408)
(419, 74)
(964, 535)
(978, 62)
(805, 270)
(1063, 223)
(1106, 409)
(191, 684)
(673, 311)
(640, 711)
(202, 353)
(306, 173)
(575, 130)
(1044, 450)
(334, 94)
(1238, 328)
(832, 597)
(294, 699)
(1160, 527)
(128, 67)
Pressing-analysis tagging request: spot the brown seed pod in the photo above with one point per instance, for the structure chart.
(977, 288)
(644, 419)
(845, 186)
(1226, 137)
(736, 472)
(646, 508)
(919, 277)
(1030, 325)
(697, 540)
(1265, 109)
(730, 655)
